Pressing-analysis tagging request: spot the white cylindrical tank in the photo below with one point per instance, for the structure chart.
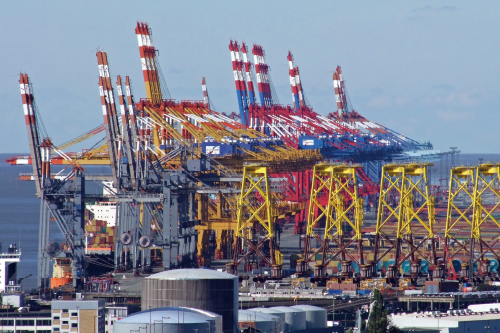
(203, 289)
(315, 316)
(262, 322)
(171, 319)
(295, 319)
(274, 312)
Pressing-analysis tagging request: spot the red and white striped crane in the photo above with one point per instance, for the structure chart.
(107, 104)
(31, 128)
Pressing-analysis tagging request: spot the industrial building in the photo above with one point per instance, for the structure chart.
(450, 322)
(78, 316)
(64, 316)
(36, 321)
(114, 313)
(8, 269)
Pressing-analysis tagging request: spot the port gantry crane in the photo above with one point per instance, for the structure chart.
(61, 200)
(178, 141)
(167, 157)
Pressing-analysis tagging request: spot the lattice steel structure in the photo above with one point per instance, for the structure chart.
(256, 210)
(474, 196)
(343, 208)
(404, 198)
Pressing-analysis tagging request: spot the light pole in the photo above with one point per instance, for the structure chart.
(333, 307)
(154, 324)
(162, 322)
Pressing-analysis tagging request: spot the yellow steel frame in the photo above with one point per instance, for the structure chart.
(393, 175)
(410, 211)
(405, 180)
(322, 174)
(337, 181)
(482, 179)
(462, 183)
(488, 175)
(260, 211)
(263, 212)
(345, 182)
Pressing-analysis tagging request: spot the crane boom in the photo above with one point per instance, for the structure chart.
(127, 134)
(31, 128)
(107, 114)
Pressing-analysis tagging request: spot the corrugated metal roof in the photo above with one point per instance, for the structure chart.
(170, 315)
(267, 310)
(286, 309)
(250, 315)
(306, 307)
(192, 274)
(78, 305)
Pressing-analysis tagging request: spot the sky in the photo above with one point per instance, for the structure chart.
(426, 69)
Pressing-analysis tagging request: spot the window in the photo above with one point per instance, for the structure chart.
(43, 322)
(43, 331)
(65, 322)
(65, 311)
(25, 322)
(24, 331)
(74, 314)
(7, 322)
(56, 318)
(74, 325)
(56, 329)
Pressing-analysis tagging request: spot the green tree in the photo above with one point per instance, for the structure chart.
(377, 322)
(393, 329)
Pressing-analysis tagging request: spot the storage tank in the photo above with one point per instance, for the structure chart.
(315, 316)
(261, 322)
(295, 319)
(274, 312)
(202, 289)
(171, 319)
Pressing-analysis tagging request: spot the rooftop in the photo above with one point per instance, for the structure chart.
(435, 320)
(192, 274)
(170, 315)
